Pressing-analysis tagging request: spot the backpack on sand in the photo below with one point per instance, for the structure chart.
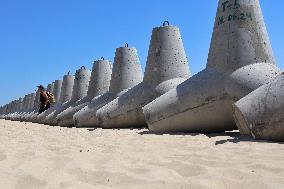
(50, 97)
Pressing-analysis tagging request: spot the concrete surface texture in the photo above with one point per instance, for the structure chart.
(126, 73)
(166, 67)
(99, 84)
(67, 88)
(57, 90)
(240, 60)
(80, 89)
(20, 109)
(260, 114)
(17, 106)
(31, 116)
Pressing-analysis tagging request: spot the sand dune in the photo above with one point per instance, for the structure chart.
(34, 156)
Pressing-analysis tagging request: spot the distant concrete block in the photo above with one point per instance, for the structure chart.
(79, 91)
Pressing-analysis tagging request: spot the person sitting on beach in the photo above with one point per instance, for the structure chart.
(43, 100)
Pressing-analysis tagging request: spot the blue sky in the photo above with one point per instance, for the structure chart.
(41, 40)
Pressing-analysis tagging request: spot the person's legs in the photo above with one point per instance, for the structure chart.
(41, 109)
(47, 106)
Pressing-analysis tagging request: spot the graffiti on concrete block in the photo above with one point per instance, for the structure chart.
(236, 14)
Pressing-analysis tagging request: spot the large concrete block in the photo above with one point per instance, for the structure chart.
(166, 67)
(260, 114)
(240, 60)
(24, 106)
(79, 92)
(99, 84)
(57, 90)
(126, 73)
(67, 88)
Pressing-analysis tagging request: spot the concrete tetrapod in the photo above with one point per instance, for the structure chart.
(79, 91)
(260, 114)
(166, 67)
(99, 84)
(27, 107)
(16, 109)
(240, 60)
(126, 73)
(23, 108)
(65, 96)
(31, 115)
(12, 111)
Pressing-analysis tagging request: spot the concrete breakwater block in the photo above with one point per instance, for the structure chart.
(166, 67)
(79, 91)
(34, 111)
(240, 60)
(126, 73)
(260, 114)
(99, 84)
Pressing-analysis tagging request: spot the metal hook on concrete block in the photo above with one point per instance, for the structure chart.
(166, 23)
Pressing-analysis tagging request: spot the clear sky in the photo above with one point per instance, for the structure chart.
(41, 40)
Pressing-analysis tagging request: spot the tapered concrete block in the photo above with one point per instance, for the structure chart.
(31, 101)
(57, 89)
(31, 115)
(67, 88)
(99, 84)
(79, 92)
(240, 60)
(260, 114)
(22, 109)
(166, 67)
(12, 110)
(126, 73)
(25, 105)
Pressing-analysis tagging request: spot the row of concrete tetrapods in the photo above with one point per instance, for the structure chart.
(241, 87)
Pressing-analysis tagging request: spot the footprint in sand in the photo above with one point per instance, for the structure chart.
(187, 170)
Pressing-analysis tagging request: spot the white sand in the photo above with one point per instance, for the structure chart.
(39, 156)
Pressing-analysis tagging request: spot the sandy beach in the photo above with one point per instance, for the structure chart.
(34, 156)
